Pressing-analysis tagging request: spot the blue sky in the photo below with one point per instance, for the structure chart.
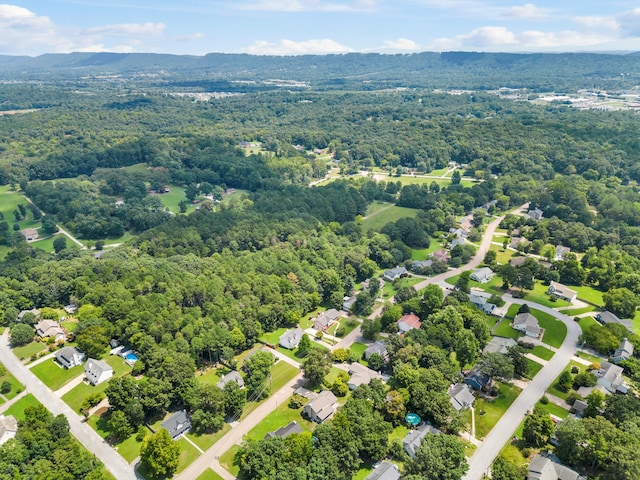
(290, 27)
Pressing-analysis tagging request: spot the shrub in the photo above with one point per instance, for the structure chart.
(6, 387)
(575, 370)
(573, 396)
(297, 401)
(544, 400)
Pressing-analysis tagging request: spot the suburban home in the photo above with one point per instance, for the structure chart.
(458, 241)
(71, 309)
(379, 348)
(482, 303)
(608, 317)
(517, 261)
(418, 264)
(177, 424)
(291, 338)
(8, 428)
(232, 376)
(579, 407)
(482, 275)
(321, 407)
(476, 379)
(348, 303)
(30, 234)
(562, 291)
(97, 371)
(326, 319)
(624, 351)
(610, 377)
(394, 274)
(561, 252)
(467, 222)
(544, 468)
(408, 322)
(527, 324)
(441, 255)
(285, 431)
(35, 311)
(361, 375)
(461, 396)
(459, 232)
(50, 329)
(69, 357)
(413, 439)
(536, 214)
(517, 241)
(385, 471)
(499, 345)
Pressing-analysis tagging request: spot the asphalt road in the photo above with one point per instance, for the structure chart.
(83, 432)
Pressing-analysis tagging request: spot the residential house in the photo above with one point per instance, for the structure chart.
(30, 234)
(579, 407)
(291, 338)
(361, 375)
(482, 275)
(232, 376)
(527, 324)
(441, 255)
(379, 348)
(8, 428)
(499, 345)
(408, 322)
(461, 396)
(420, 264)
(561, 252)
(413, 439)
(477, 380)
(544, 468)
(35, 311)
(608, 317)
(467, 222)
(50, 329)
(348, 303)
(458, 241)
(562, 291)
(517, 241)
(177, 424)
(610, 377)
(624, 351)
(326, 319)
(97, 371)
(385, 471)
(285, 431)
(482, 303)
(394, 274)
(71, 308)
(517, 261)
(536, 214)
(459, 232)
(321, 407)
(69, 357)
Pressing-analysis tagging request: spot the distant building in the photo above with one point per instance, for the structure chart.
(69, 357)
(624, 351)
(291, 338)
(8, 428)
(441, 255)
(386, 471)
(527, 324)
(608, 317)
(517, 261)
(232, 376)
(361, 375)
(561, 252)
(177, 424)
(536, 214)
(562, 291)
(420, 264)
(285, 431)
(97, 371)
(482, 275)
(35, 311)
(458, 241)
(326, 319)
(461, 396)
(408, 322)
(413, 439)
(516, 241)
(394, 274)
(321, 407)
(482, 303)
(379, 348)
(30, 234)
(544, 468)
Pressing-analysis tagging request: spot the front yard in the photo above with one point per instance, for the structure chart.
(54, 376)
(489, 413)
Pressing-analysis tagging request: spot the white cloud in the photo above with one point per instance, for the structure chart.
(594, 22)
(480, 38)
(403, 44)
(310, 5)
(148, 29)
(527, 11)
(289, 47)
(629, 23)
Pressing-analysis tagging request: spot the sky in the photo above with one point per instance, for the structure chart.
(294, 27)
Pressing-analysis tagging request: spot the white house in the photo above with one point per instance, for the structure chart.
(624, 351)
(97, 371)
(69, 357)
(8, 428)
(527, 324)
(562, 291)
(291, 338)
(482, 275)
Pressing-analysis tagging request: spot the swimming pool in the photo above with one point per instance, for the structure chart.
(131, 357)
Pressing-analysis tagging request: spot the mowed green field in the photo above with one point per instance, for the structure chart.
(387, 215)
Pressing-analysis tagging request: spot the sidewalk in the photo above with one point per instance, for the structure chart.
(41, 360)
(70, 385)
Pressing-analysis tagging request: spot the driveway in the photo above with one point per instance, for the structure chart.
(83, 432)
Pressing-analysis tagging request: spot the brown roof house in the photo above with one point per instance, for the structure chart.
(50, 329)
(409, 322)
(326, 319)
(30, 234)
(321, 407)
(361, 375)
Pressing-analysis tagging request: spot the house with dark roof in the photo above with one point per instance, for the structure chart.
(527, 324)
(361, 375)
(579, 407)
(605, 317)
(562, 291)
(285, 431)
(69, 357)
(326, 319)
(321, 407)
(517, 261)
(291, 338)
(385, 471)
(378, 348)
(545, 468)
(482, 303)
(413, 439)
(482, 275)
(8, 428)
(177, 424)
(419, 264)
(348, 302)
(476, 379)
(461, 396)
(624, 351)
(232, 376)
(499, 345)
(97, 371)
(408, 322)
(394, 274)
(536, 214)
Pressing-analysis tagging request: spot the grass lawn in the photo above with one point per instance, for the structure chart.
(554, 409)
(16, 386)
(586, 322)
(211, 375)
(542, 352)
(534, 368)
(54, 376)
(26, 351)
(554, 330)
(205, 440)
(188, 454)
(129, 449)
(172, 198)
(9, 201)
(554, 390)
(209, 475)
(69, 326)
(502, 256)
(349, 324)
(17, 409)
(281, 373)
(228, 460)
(281, 416)
(504, 329)
(387, 215)
(589, 294)
(398, 433)
(493, 411)
(578, 311)
(390, 289)
(636, 322)
(423, 253)
(358, 349)
(587, 356)
(492, 286)
(273, 338)
(539, 295)
(376, 207)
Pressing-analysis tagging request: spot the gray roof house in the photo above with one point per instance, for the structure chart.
(561, 252)
(527, 324)
(285, 431)
(321, 407)
(385, 471)
(361, 375)
(476, 379)
(482, 275)
(348, 302)
(610, 377)
(562, 291)
(482, 303)
(536, 214)
(177, 424)
(8, 428)
(49, 328)
(291, 338)
(394, 273)
(458, 241)
(377, 347)
(499, 345)
(461, 396)
(413, 439)
(97, 371)
(417, 264)
(326, 319)
(544, 468)
(624, 351)
(608, 317)
(69, 357)
(232, 376)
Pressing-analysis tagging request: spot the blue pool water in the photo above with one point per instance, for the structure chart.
(131, 357)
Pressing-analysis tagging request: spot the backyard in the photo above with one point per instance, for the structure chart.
(493, 410)
(553, 389)
(391, 288)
